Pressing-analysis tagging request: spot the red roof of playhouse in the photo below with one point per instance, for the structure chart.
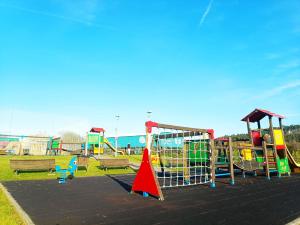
(258, 114)
(97, 130)
(222, 139)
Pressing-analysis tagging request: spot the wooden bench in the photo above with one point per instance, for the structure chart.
(76, 152)
(82, 162)
(113, 163)
(32, 165)
(2, 152)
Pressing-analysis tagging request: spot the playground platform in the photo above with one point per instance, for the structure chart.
(106, 200)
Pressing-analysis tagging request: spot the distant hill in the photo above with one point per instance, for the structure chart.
(292, 128)
(292, 133)
(292, 137)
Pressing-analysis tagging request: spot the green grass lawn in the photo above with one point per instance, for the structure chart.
(132, 158)
(7, 213)
(6, 174)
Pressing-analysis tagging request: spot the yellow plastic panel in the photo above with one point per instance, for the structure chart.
(247, 154)
(278, 137)
(96, 150)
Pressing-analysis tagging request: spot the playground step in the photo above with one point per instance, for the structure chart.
(272, 163)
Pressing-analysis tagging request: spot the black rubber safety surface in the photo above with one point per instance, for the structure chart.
(106, 200)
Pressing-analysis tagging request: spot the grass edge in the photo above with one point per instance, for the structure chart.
(19, 210)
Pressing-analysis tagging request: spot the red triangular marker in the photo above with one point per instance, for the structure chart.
(145, 179)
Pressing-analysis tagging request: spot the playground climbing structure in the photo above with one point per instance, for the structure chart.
(267, 149)
(175, 156)
(95, 140)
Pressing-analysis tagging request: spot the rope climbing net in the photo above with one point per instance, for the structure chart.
(181, 156)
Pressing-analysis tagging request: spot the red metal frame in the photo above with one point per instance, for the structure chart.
(149, 125)
(211, 133)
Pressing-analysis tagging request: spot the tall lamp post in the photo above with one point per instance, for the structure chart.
(149, 115)
(116, 138)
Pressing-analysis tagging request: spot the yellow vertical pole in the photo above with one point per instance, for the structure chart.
(99, 144)
(283, 138)
(186, 169)
(274, 143)
(148, 141)
(249, 131)
(86, 143)
(266, 159)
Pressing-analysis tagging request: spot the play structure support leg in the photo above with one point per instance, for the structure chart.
(86, 145)
(213, 185)
(99, 137)
(274, 143)
(62, 180)
(231, 162)
(212, 163)
(266, 160)
(249, 131)
(186, 170)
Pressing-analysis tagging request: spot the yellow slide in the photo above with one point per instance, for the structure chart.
(112, 147)
(293, 164)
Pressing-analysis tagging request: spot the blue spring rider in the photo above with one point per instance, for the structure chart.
(62, 174)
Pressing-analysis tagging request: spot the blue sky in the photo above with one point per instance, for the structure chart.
(70, 65)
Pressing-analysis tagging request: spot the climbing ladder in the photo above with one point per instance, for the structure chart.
(269, 159)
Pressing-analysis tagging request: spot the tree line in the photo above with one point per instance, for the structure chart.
(292, 137)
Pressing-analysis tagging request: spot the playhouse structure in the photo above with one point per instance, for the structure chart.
(271, 139)
(266, 151)
(95, 141)
(268, 144)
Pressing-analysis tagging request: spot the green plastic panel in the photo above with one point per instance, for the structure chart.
(55, 144)
(198, 152)
(259, 156)
(93, 139)
(283, 165)
(8, 139)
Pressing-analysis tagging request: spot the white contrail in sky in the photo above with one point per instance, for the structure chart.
(57, 16)
(277, 90)
(205, 13)
(282, 88)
